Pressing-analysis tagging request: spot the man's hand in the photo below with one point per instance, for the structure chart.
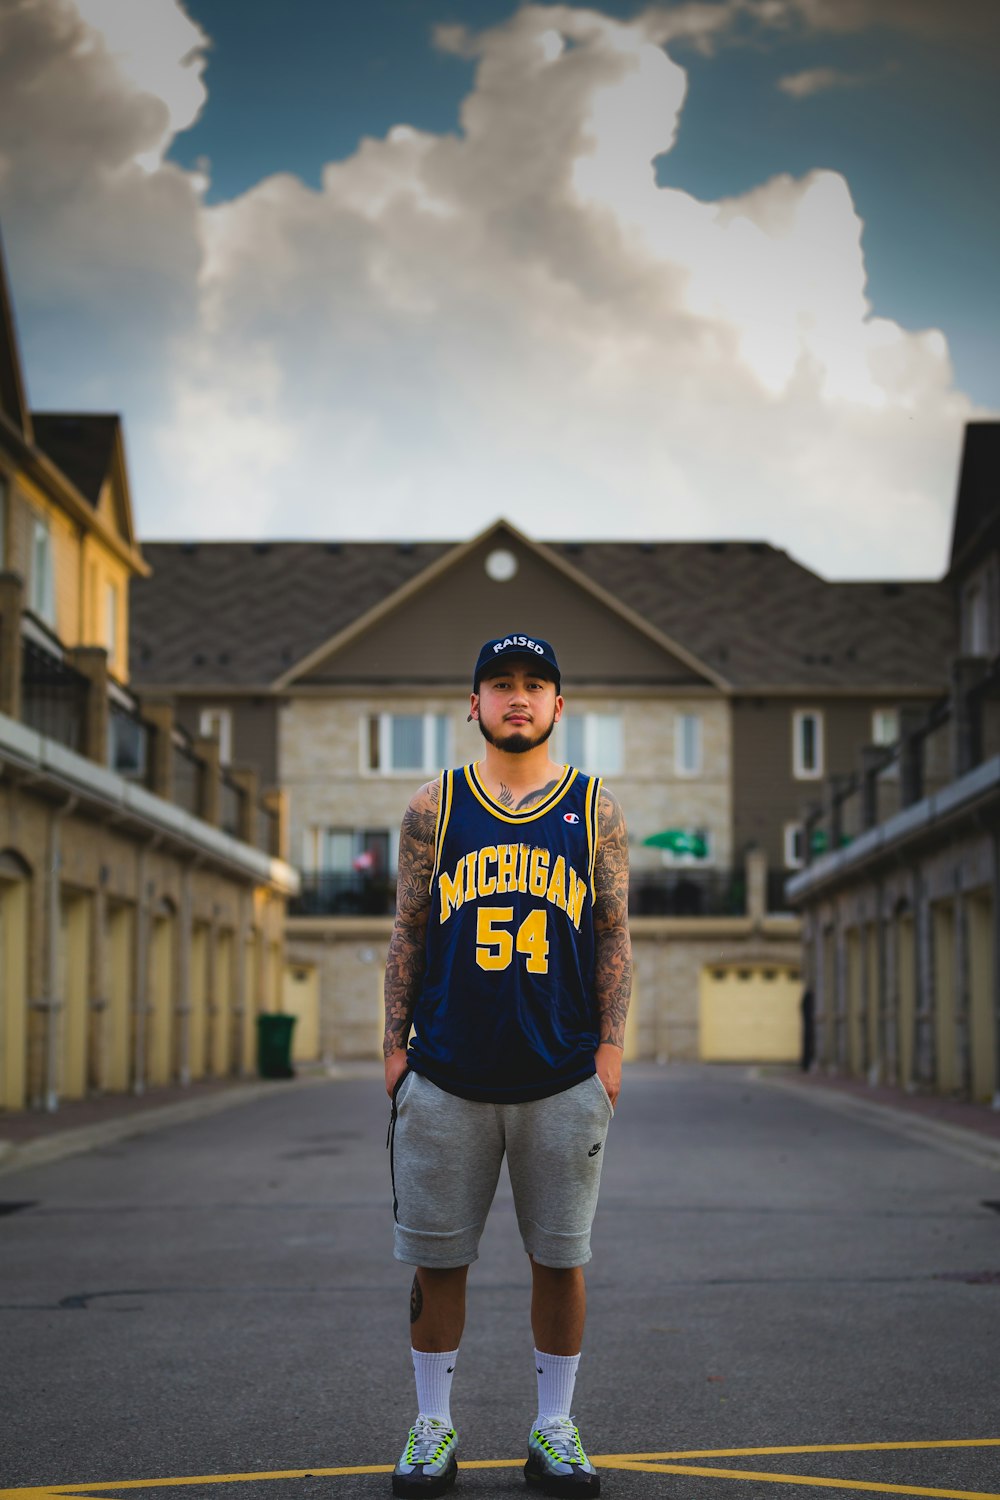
(608, 1058)
(395, 1067)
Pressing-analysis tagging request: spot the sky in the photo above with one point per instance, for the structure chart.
(391, 269)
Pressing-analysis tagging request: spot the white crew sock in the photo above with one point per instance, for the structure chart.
(433, 1373)
(556, 1379)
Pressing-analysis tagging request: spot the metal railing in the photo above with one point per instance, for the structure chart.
(935, 746)
(129, 736)
(53, 694)
(349, 894)
(231, 800)
(267, 830)
(687, 892)
(187, 772)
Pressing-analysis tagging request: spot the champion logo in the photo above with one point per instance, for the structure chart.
(570, 818)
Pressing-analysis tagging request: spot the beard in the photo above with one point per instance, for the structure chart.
(516, 743)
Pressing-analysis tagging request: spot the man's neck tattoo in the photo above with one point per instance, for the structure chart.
(537, 796)
(506, 796)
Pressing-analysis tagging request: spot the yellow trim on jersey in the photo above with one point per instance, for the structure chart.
(530, 813)
(444, 813)
(593, 826)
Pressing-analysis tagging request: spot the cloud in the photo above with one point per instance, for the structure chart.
(513, 319)
(816, 81)
(104, 243)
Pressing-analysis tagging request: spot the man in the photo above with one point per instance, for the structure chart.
(511, 959)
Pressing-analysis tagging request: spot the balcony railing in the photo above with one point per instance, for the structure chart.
(188, 768)
(129, 736)
(53, 694)
(231, 800)
(57, 700)
(335, 894)
(935, 746)
(687, 892)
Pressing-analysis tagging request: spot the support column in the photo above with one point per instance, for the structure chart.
(209, 798)
(161, 750)
(11, 609)
(92, 662)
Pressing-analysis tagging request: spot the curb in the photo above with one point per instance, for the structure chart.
(958, 1139)
(81, 1138)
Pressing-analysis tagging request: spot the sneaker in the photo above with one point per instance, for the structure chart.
(427, 1464)
(557, 1462)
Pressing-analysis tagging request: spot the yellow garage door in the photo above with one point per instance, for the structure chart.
(750, 1013)
(301, 999)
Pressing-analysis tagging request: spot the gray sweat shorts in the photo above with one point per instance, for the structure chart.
(446, 1156)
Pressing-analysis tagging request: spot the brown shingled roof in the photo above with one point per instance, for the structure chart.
(762, 620)
(238, 614)
(81, 445)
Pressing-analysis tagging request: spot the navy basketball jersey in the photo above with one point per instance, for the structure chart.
(507, 1010)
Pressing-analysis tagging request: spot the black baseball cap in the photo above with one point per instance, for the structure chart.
(516, 644)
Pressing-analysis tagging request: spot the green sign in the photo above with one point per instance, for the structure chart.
(690, 841)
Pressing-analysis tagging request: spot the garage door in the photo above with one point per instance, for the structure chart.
(750, 1013)
(300, 998)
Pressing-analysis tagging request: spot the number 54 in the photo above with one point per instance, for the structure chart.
(495, 945)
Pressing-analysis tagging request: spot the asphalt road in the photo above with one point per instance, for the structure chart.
(218, 1298)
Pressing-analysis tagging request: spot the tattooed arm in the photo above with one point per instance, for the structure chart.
(404, 968)
(613, 967)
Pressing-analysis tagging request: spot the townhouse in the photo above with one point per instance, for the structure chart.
(715, 684)
(142, 889)
(900, 893)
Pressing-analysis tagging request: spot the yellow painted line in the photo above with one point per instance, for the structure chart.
(808, 1479)
(651, 1463)
(611, 1458)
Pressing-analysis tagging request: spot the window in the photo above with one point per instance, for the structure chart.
(217, 723)
(794, 846)
(885, 726)
(42, 594)
(111, 621)
(976, 620)
(405, 742)
(592, 742)
(349, 851)
(687, 744)
(807, 744)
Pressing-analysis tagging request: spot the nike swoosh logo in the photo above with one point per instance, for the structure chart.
(594, 1149)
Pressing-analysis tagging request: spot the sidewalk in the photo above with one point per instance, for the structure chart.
(971, 1130)
(31, 1137)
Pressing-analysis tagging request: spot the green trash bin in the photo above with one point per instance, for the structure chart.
(274, 1046)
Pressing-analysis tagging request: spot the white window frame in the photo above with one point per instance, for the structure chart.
(884, 714)
(679, 767)
(799, 771)
(112, 609)
(793, 832)
(431, 764)
(42, 592)
(588, 761)
(217, 723)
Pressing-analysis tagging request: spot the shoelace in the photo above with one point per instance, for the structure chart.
(428, 1433)
(564, 1438)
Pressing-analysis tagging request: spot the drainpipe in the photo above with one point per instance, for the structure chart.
(55, 1001)
(996, 968)
(141, 986)
(184, 980)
